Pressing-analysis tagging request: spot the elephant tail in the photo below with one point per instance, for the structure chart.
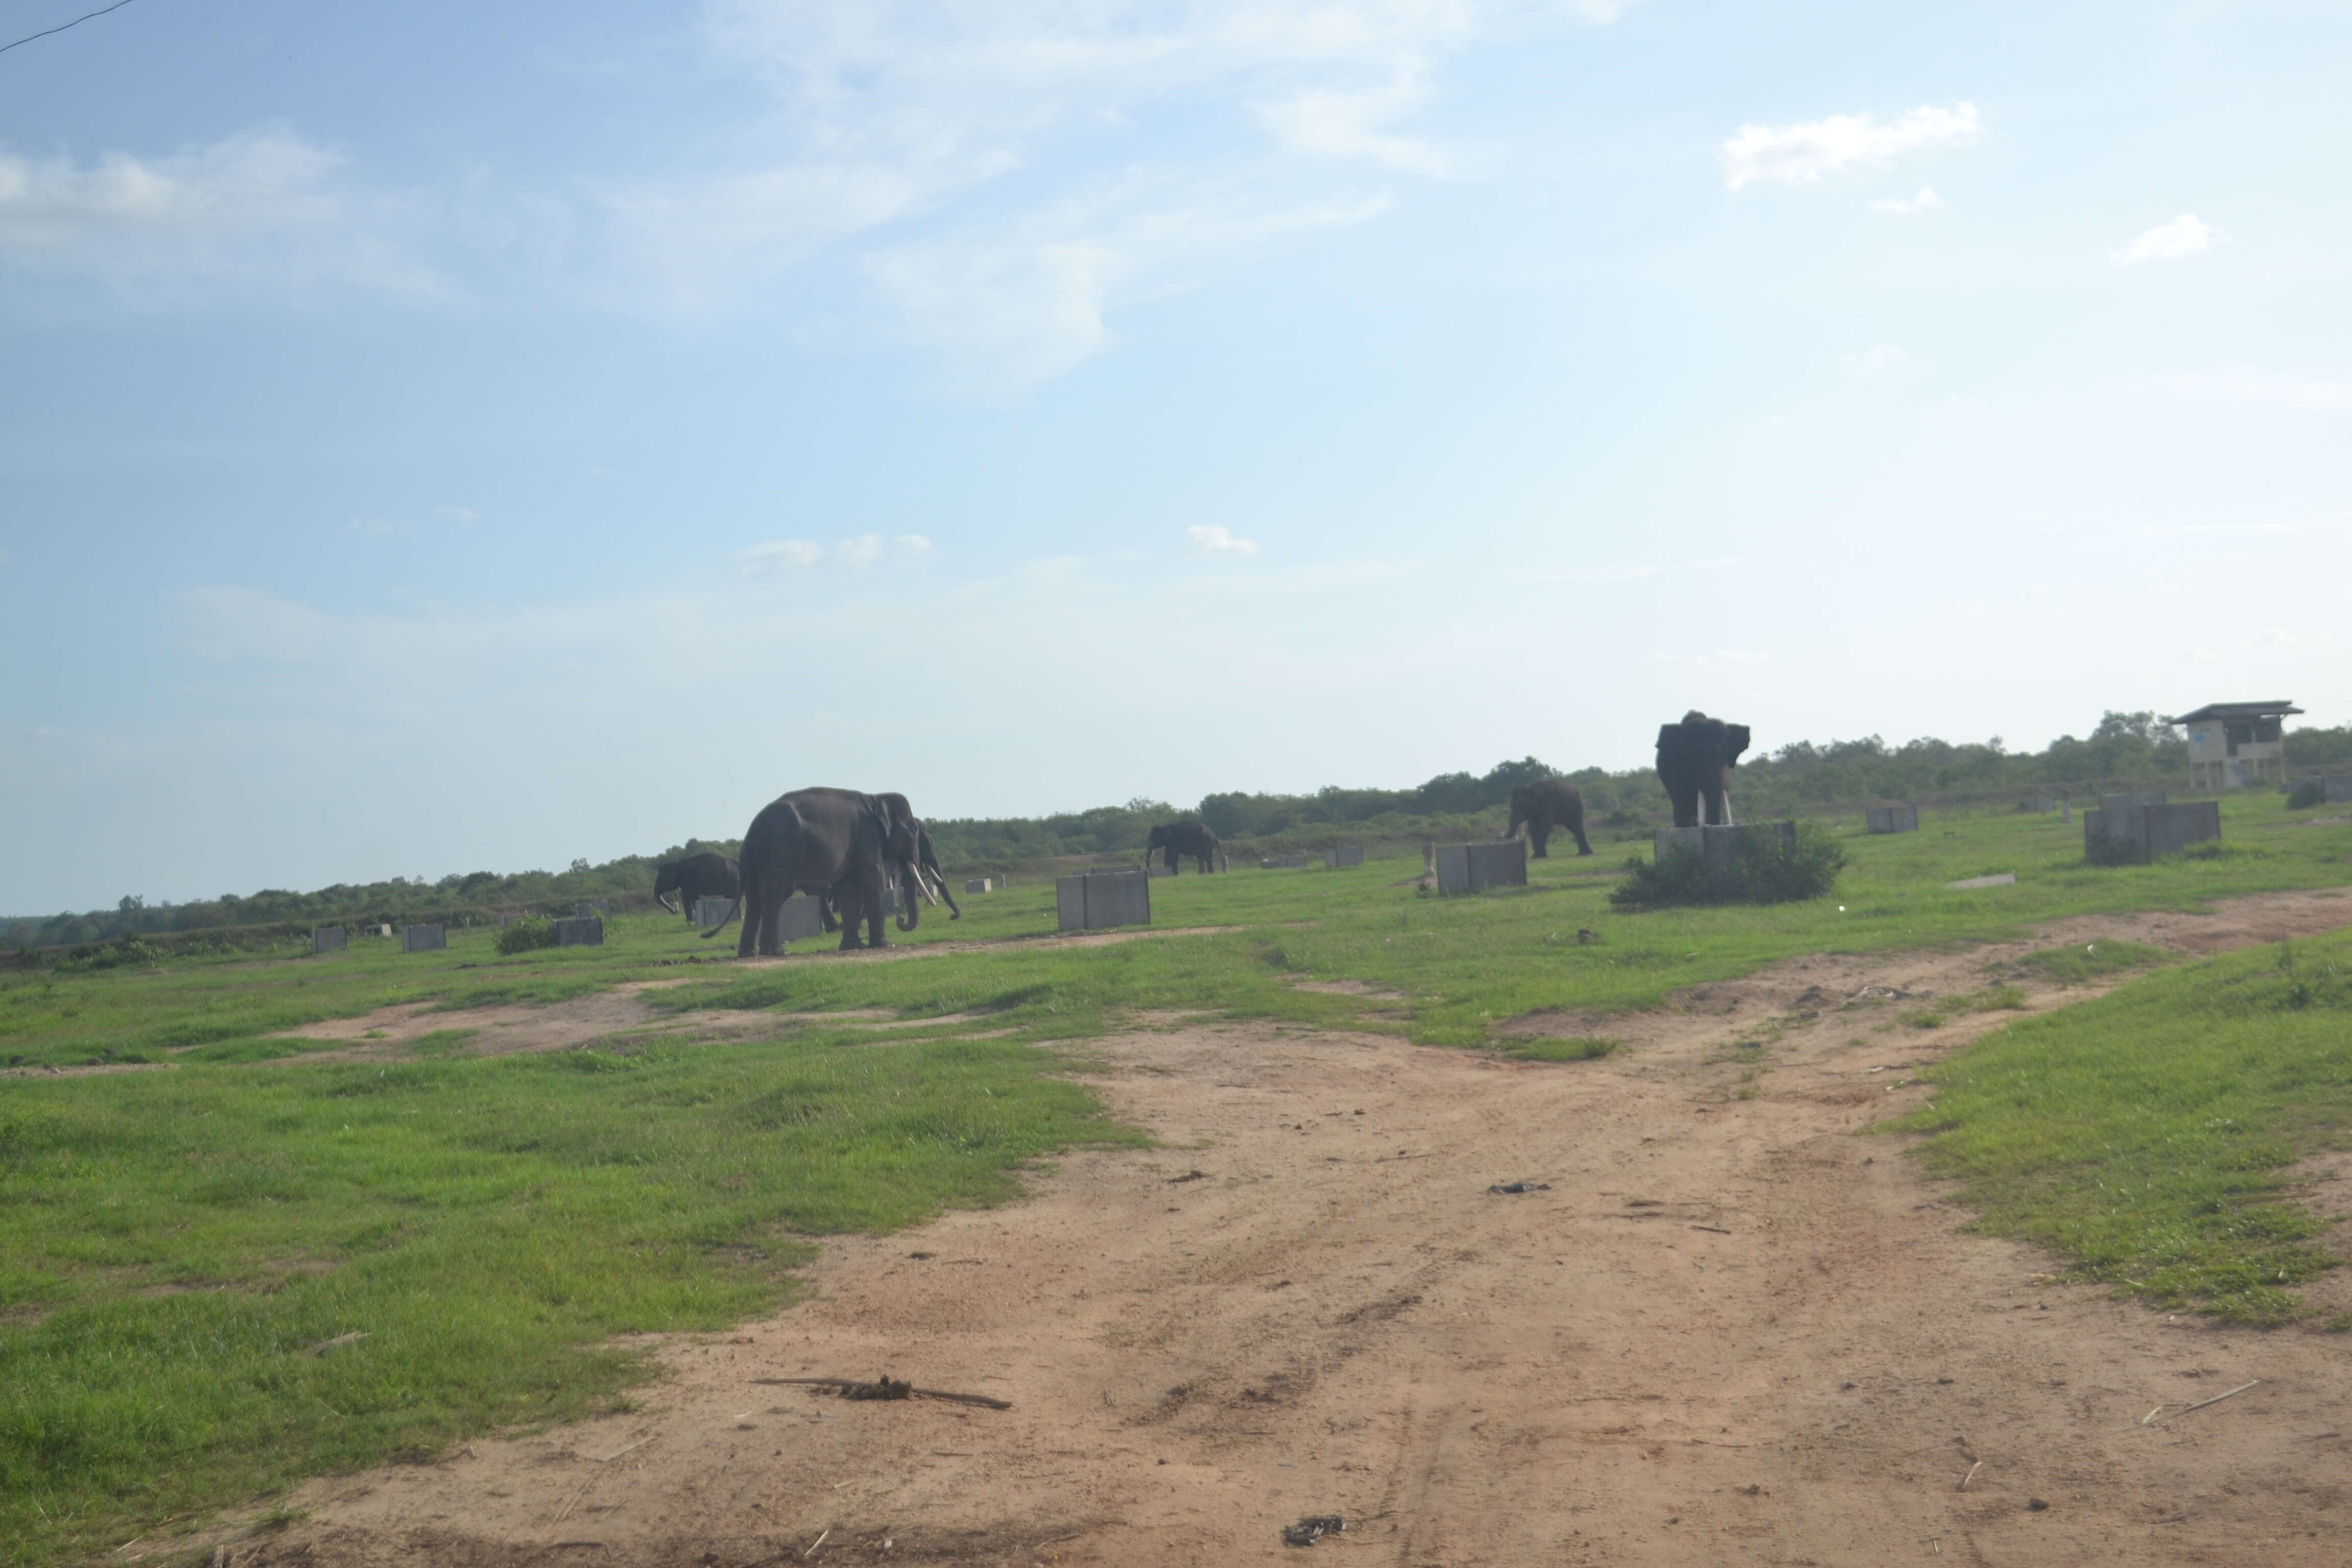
(731, 910)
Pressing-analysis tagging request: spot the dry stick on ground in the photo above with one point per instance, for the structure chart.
(2218, 1397)
(851, 1388)
(1970, 1477)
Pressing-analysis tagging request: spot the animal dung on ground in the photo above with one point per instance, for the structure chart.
(329, 939)
(1902, 816)
(1520, 1187)
(2005, 880)
(1312, 1529)
(1475, 867)
(588, 932)
(1120, 896)
(1343, 855)
(423, 939)
(1188, 1176)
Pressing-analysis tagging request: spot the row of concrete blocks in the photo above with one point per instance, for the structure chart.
(2335, 789)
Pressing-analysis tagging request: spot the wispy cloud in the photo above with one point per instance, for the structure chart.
(1927, 201)
(1631, 571)
(1806, 152)
(1875, 358)
(783, 556)
(2244, 387)
(265, 205)
(1216, 538)
(2184, 236)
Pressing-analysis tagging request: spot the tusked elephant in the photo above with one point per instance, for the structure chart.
(1695, 757)
(1190, 839)
(1546, 805)
(813, 842)
(695, 877)
(912, 864)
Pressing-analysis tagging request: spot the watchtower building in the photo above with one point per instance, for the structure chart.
(2233, 745)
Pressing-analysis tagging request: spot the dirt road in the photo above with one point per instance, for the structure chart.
(1726, 1330)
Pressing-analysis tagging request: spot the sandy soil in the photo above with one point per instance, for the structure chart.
(1726, 1329)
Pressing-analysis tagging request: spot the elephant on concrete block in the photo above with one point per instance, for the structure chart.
(1192, 840)
(1544, 805)
(813, 842)
(1695, 756)
(678, 884)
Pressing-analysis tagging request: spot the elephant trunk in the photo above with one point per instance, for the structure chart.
(911, 913)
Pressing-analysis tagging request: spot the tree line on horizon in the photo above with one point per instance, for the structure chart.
(2123, 748)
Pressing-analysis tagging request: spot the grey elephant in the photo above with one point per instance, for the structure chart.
(1192, 840)
(912, 864)
(1543, 806)
(1695, 756)
(813, 842)
(695, 877)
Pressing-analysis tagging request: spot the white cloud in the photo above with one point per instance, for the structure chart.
(2243, 387)
(1216, 538)
(1927, 201)
(2185, 235)
(1352, 123)
(780, 556)
(264, 205)
(1805, 152)
(1631, 571)
(458, 513)
(1875, 358)
(1026, 300)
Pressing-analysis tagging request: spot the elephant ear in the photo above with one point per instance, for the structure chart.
(1735, 741)
(1668, 735)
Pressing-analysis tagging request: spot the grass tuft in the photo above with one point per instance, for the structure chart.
(1581, 1048)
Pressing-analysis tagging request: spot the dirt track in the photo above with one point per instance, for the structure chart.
(1731, 1330)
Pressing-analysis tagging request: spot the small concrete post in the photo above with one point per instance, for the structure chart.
(423, 939)
(329, 939)
(581, 931)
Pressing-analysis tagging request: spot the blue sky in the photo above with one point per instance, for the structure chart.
(437, 436)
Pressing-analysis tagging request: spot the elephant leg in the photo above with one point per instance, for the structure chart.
(1686, 799)
(1583, 845)
(1539, 834)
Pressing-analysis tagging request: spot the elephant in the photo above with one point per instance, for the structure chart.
(816, 842)
(1695, 757)
(695, 877)
(1190, 839)
(1543, 806)
(912, 864)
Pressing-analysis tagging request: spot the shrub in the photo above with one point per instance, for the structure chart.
(1765, 873)
(2306, 795)
(2102, 849)
(524, 935)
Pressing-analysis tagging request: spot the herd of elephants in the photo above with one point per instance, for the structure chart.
(848, 850)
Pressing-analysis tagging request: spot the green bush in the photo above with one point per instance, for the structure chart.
(524, 935)
(2306, 795)
(1765, 873)
(2101, 849)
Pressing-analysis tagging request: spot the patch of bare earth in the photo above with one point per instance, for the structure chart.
(1727, 1330)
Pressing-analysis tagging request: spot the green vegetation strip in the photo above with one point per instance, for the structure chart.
(2147, 1134)
(172, 1244)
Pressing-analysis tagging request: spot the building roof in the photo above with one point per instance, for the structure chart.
(2226, 711)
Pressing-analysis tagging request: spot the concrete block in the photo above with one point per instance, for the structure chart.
(710, 912)
(2153, 830)
(1092, 900)
(799, 917)
(423, 939)
(379, 930)
(2038, 803)
(2335, 789)
(1475, 867)
(1343, 855)
(1283, 863)
(2006, 880)
(981, 885)
(1903, 816)
(1724, 841)
(329, 939)
(2169, 829)
(505, 921)
(2126, 799)
(580, 930)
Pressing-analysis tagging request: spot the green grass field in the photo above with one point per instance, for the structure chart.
(171, 1242)
(2146, 1135)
